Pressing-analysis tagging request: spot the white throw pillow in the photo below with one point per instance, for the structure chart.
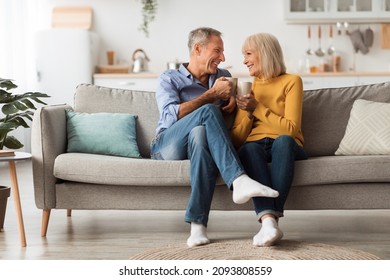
(368, 129)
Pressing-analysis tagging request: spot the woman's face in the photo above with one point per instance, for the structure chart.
(252, 61)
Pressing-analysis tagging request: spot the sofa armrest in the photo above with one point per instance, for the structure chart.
(48, 140)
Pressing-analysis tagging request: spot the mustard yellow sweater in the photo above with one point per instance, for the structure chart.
(279, 111)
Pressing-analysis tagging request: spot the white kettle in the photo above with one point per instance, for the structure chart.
(140, 62)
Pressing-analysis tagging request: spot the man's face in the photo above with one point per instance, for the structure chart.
(211, 55)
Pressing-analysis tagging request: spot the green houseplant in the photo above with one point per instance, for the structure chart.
(149, 10)
(16, 109)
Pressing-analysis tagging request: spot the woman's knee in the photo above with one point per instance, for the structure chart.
(246, 149)
(284, 140)
(284, 143)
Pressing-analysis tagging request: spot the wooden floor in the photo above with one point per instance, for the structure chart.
(116, 235)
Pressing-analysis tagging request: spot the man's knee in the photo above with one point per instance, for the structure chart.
(210, 109)
(197, 136)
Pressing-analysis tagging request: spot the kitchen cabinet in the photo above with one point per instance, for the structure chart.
(330, 80)
(330, 11)
(141, 81)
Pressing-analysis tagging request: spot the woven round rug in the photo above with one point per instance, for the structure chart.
(244, 250)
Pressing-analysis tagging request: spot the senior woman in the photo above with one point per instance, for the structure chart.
(267, 130)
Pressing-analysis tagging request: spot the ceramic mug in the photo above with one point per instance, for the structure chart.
(233, 81)
(243, 88)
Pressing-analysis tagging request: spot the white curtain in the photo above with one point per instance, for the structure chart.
(18, 25)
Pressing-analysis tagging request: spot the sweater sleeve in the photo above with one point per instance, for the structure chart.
(242, 126)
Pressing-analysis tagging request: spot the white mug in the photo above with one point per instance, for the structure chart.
(243, 88)
(233, 81)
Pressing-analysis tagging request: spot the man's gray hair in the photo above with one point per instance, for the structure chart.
(201, 36)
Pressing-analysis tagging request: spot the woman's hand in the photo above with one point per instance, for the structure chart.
(247, 103)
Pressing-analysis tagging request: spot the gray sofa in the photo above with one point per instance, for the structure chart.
(91, 181)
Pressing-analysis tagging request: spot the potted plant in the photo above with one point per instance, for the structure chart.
(149, 10)
(16, 109)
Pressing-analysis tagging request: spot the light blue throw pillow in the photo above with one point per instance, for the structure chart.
(102, 133)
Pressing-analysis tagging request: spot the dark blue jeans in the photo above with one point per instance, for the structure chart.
(201, 137)
(281, 152)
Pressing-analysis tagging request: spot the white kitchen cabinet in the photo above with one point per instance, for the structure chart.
(147, 82)
(367, 80)
(312, 82)
(317, 81)
(330, 11)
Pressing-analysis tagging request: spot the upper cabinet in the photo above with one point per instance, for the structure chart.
(325, 11)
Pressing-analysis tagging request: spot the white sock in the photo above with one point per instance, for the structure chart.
(244, 188)
(269, 233)
(198, 235)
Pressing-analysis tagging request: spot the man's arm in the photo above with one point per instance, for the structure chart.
(220, 90)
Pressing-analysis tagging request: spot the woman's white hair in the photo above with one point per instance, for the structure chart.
(270, 54)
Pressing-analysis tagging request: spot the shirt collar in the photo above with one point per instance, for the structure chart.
(183, 70)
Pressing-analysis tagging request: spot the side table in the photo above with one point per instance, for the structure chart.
(15, 190)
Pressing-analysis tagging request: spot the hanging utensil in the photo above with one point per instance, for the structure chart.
(309, 50)
(319, 51)
(338, 24)
(368, 37)
(331, 48)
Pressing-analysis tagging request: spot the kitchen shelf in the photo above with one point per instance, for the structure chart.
(330, 11)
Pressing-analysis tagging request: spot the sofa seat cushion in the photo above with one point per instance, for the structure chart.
(101, 169)
(342, 169)
(111, 170)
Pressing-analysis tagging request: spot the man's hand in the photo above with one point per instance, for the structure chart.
(221, 89)
(229, 108)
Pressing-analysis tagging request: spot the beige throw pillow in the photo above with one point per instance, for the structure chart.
(368, 129)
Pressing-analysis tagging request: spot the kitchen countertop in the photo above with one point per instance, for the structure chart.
(337, 74)
(126, 75)
(318, 74)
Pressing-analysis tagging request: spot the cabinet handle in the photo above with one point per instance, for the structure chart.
(127, 83)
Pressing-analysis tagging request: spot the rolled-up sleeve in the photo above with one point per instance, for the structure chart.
(168, 101)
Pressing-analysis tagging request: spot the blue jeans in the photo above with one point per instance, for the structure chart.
(201, 137)
(281, 152)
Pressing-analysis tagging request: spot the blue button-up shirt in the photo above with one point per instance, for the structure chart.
(176, 87)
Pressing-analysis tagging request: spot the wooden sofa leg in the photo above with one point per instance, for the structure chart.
(68, 212)
(45, 221)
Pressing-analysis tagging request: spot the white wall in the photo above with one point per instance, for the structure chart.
(117, 21)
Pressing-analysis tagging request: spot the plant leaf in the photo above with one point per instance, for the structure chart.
(18, 120)
(12, 143)
(6, 127)
(9, 109)
(8, 84)
(16, 107)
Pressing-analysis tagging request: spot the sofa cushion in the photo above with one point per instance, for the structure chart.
(368, 130)
(100, 169)
(92, 99)
(326, 113)
(102, 133)
(341, 170)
